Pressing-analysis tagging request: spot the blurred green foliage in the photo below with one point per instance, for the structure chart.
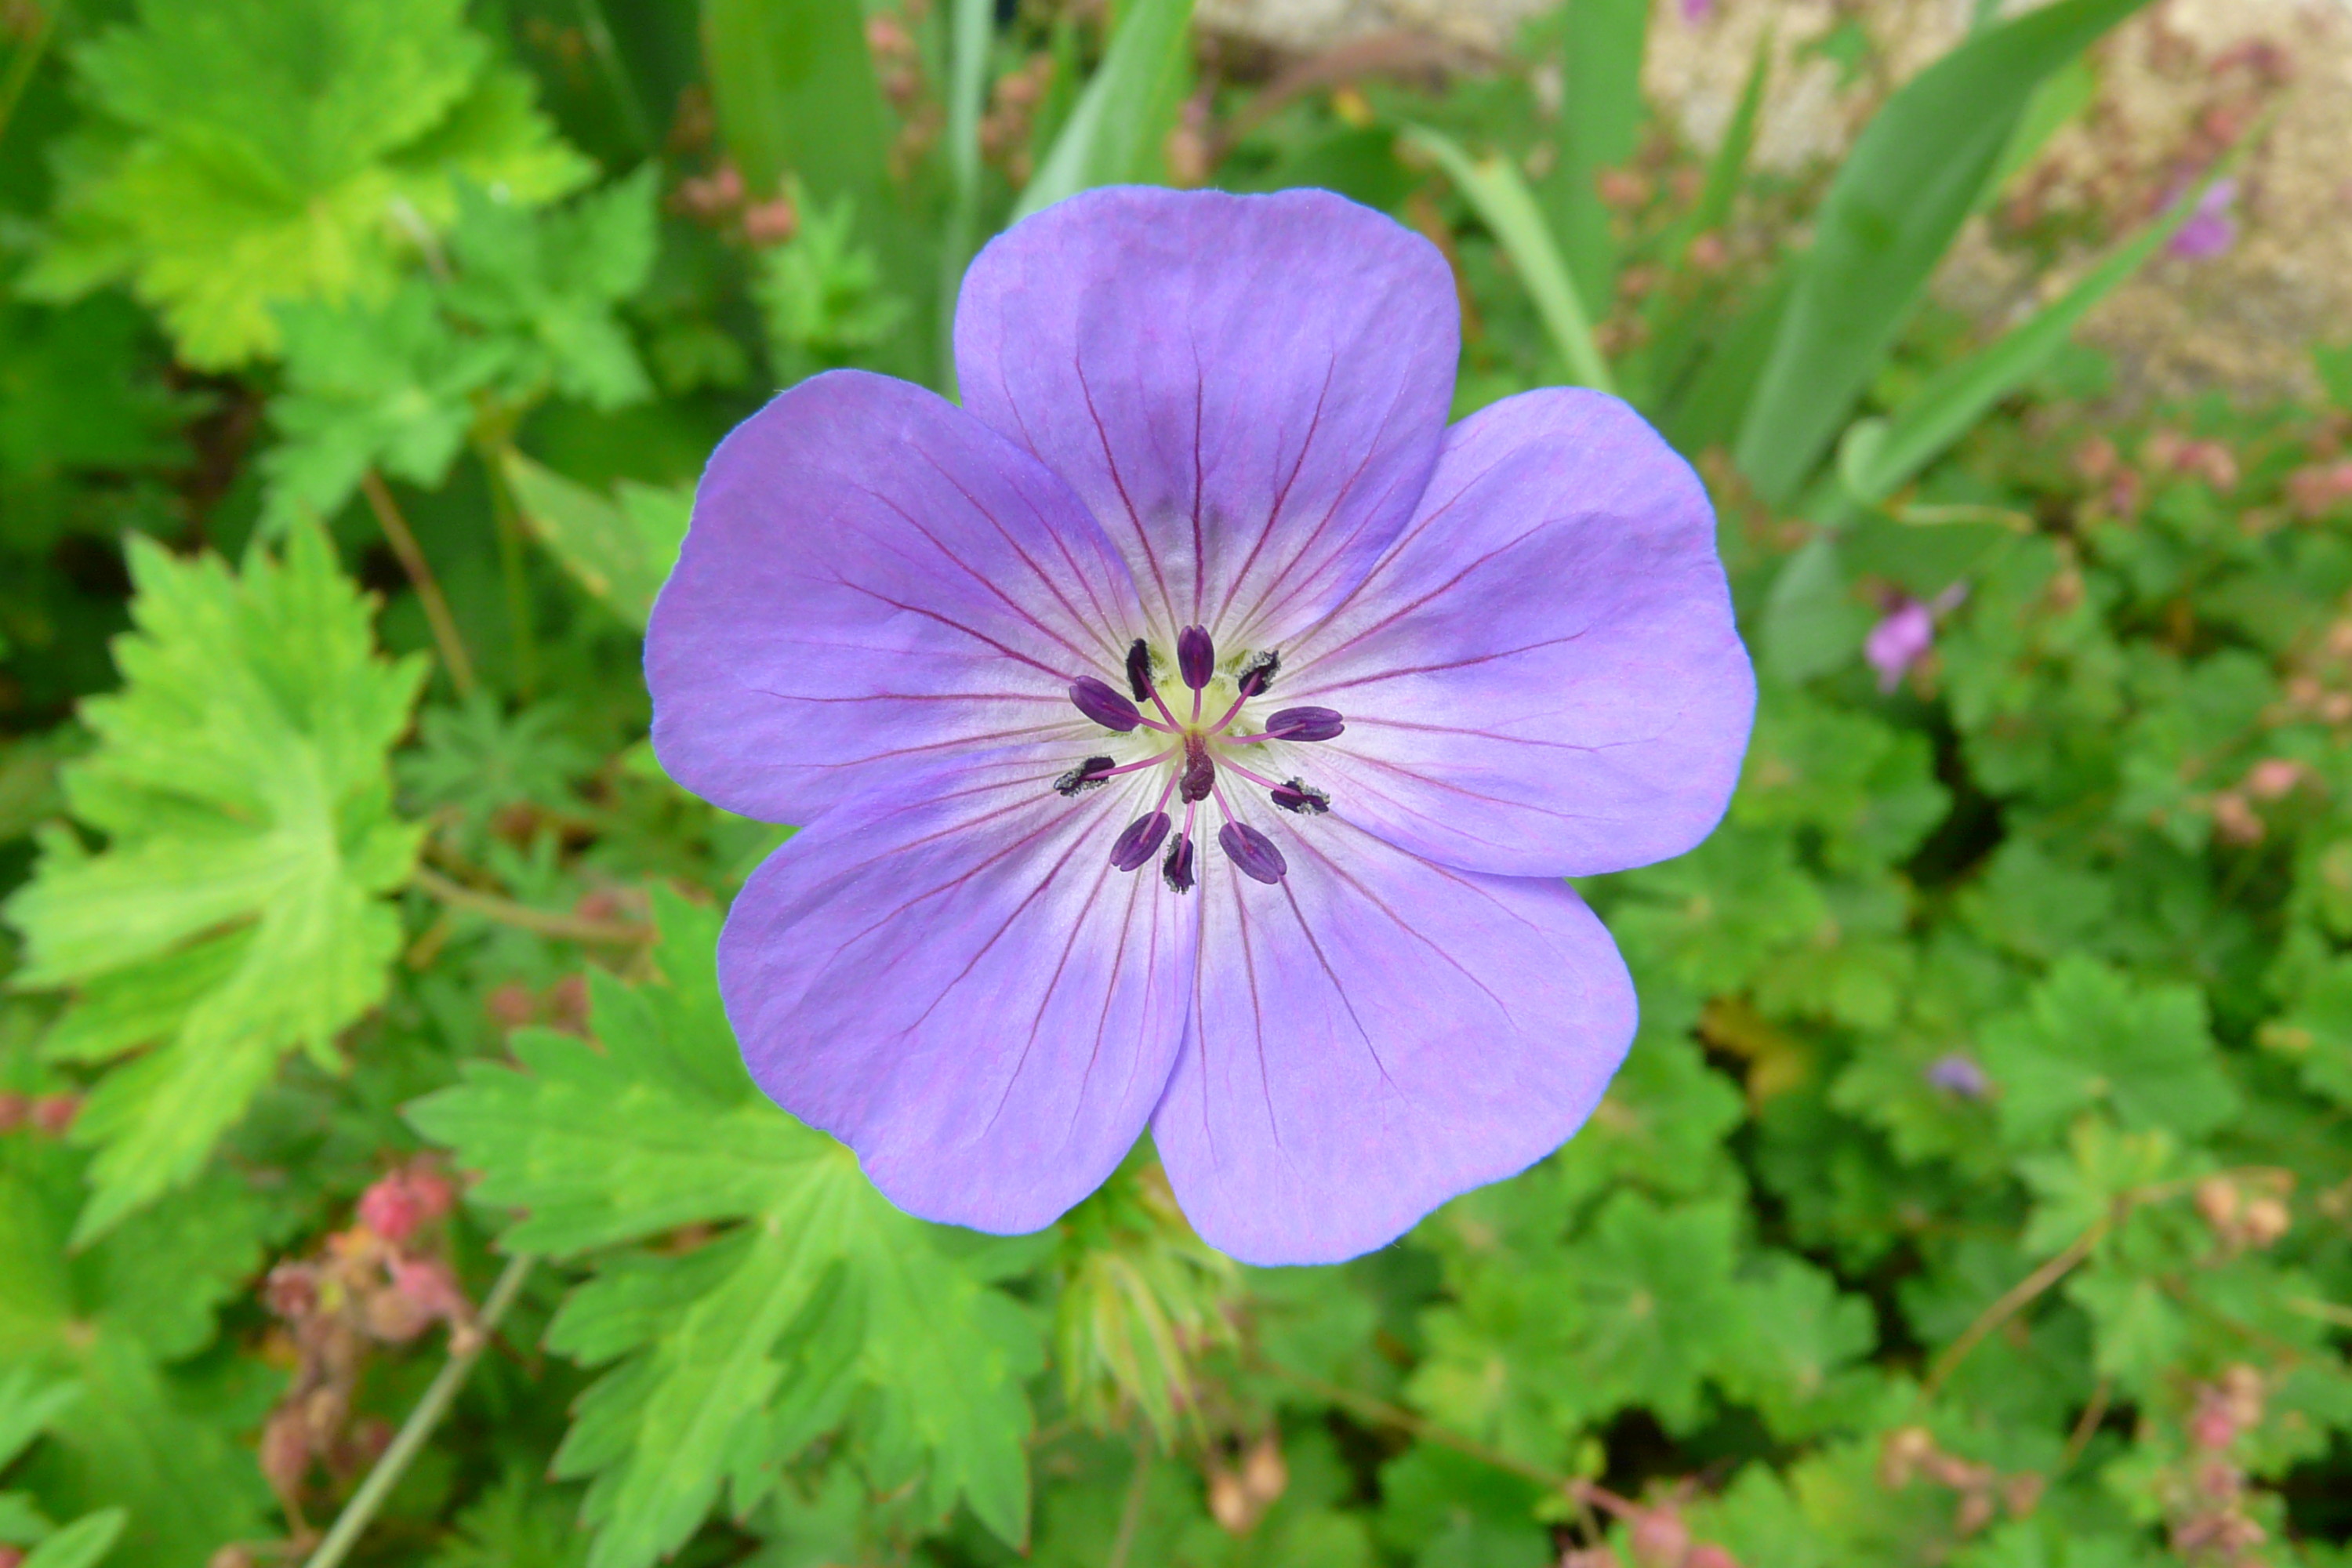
(1978, 1191)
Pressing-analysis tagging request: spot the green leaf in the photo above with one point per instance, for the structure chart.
(386, 389)
(619, 551)
(1868, 788)
(2063, 94)
(1911, 180)
(259, 152)
(793, 84)
(108, 1319)
(1599, 128)
(822, 295)
(2089, 1036)
(29, 1402)
(235, 913)
(81, 1544)
(518, 1524)
(1115, 133)
(543, 286)
(1497, 192)
(732, 1356)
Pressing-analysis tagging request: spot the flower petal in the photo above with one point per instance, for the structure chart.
(874, 579)
(1374, 1036)
(950, 976)
(1248, 391)
(1543, 678)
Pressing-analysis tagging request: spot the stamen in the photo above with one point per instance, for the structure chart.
(1303, 798)
(1262, 783)
(1139, 842)
(1252, 852)
(1177, 869)
(1200, 770)
(1139, 670)
(1305, 725)
(1196, 657)
(1152, 761)
(1258, 671)
(1099, 701)
(1092, 773)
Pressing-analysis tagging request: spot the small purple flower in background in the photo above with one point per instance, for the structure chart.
(1959, 1075)
(1904, 634)
(2212, 228)
(1697, 11)
(1192, 732)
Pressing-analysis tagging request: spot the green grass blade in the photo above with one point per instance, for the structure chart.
(1679, 314)
(1494, 190)
(793, 86)
(971, 31)
(1879, 455)
(1114, 135)
(1599, 127)
(1705, 413)
(1911, 181)
(1728, 168)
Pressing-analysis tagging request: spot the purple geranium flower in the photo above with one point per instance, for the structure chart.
(2212, 228)
(1904, 634)
(1192, 732)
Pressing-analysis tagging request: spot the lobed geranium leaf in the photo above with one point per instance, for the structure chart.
(386, 389)
(543, 286)
(258, 152)
(235, 913)
(111, 1319)
(2089, 1037)
(734, 1354)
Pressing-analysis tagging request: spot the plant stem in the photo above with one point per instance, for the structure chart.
(522, 917)
(2011, 1302)
(396, 534)
(1405, 1421)
(419, 1426)
(510, 566)
(1130, 1513)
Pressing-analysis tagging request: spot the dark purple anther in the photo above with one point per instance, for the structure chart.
(1200, 770)
(1258, 671)
(1177, 867)
(1138, 671)
(1253, 851)
(1302, 798)
(1303, 724)
(1196, 657)
(1140, 842)
(1102, 703)
(1959, 1075)
(1092, 773)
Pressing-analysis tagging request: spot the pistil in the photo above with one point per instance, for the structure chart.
(1194, 779)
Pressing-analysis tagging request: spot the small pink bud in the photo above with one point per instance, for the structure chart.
(53, 1113)
(401, 1201)
(1661, 1539)
(428, 1283)
(2211, 1427)
(1708, 1554)
(770, 223)
(2273, 777)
